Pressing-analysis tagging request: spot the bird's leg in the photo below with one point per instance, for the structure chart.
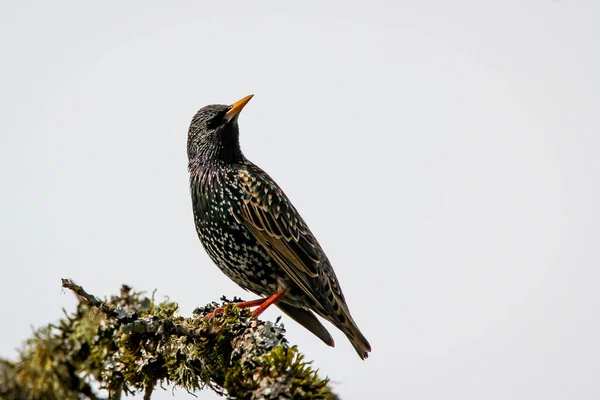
(241, 304)
(271, 300)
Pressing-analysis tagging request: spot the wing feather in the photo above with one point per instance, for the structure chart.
(276, 225)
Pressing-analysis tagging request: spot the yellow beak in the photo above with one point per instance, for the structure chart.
(236, 107)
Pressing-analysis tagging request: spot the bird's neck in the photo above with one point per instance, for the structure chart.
(215, 158)
(223, 152)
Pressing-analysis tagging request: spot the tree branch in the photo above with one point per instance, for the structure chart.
(129, 343)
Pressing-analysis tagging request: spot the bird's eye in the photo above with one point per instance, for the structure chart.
(216, 120)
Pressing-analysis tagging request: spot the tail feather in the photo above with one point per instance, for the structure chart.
(357, 339)
(308, 320)
(344, 322)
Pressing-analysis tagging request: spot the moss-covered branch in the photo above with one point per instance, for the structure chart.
(130, 343)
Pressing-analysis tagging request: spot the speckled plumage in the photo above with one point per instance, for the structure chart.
(253, 233)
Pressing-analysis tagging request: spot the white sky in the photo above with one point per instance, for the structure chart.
(444, 153)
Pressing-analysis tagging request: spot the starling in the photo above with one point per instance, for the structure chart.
(254, 234)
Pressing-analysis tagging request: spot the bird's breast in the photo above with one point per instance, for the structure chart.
(216, 196)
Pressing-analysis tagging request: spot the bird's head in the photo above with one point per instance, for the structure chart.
(213, 137)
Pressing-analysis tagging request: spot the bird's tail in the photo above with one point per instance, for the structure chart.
(357, 339)
(342, 319)
(308, 320)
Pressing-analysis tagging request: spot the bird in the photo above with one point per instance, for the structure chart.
(253, 233)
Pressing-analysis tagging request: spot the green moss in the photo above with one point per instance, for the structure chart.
(130, 343)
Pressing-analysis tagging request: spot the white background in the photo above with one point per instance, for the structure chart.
(444, 153)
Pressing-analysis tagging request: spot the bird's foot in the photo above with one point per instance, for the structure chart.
(241, 304)
(267, 302)
(262, 304)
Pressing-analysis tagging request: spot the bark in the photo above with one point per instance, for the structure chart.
(131, 344)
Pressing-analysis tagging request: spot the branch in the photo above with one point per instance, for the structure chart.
(129, 344)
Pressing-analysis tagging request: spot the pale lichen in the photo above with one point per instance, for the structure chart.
(130, 343)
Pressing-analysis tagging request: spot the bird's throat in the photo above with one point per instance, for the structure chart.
(221, 150)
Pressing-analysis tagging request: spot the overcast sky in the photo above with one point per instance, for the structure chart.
(444, 153)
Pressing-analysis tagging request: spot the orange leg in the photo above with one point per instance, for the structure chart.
(267, 302)
(242, 304)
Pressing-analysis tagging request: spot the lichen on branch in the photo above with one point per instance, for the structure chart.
(130, 343)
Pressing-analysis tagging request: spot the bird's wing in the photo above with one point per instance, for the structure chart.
(277, 226)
